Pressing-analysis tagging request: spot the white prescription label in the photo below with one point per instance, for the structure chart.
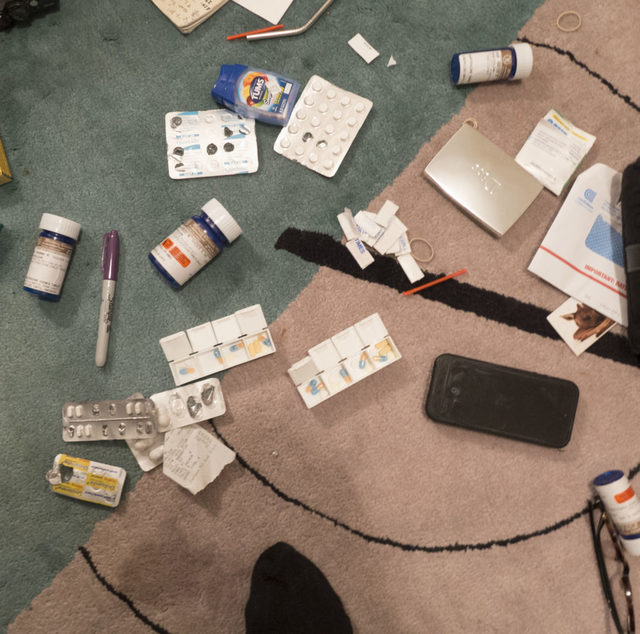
(485, 66)
(48, 265)
(185, 251)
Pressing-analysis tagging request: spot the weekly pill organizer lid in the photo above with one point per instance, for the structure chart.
(483, 179)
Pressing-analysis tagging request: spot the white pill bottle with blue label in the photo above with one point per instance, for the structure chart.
(623, 506)
(472, 67)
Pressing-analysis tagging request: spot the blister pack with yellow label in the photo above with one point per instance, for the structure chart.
(86, 480)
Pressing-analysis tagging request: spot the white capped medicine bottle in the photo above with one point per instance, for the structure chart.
(622, 505)
(195, 243)
(51, 256)
(511, 62)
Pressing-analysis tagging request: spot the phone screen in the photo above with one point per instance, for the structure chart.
(502, 400)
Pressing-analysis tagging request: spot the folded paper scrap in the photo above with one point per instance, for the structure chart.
(193, 457)
(383, 232)
(86, 480)
(186, 15)
(554, 150)
(343, 360)
(582, 251)
(203, 143)
(218, 345)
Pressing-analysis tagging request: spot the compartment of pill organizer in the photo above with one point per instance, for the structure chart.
(191, 403)
(109, 420)
(322, 126)
(210, 143)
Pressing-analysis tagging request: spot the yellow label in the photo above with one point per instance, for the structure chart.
(75, 463)
(97, 481)
(69, 488)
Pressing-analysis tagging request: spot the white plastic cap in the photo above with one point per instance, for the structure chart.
(58, 224)
(524, 60)
(222, 219)
(631, 544)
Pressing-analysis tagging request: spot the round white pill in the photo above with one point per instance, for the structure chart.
(316, 85)
(322, 108)
(299, 150)
(293, 128)
(359, 107)
(88, 430)
(346, 100)
(129, 408)
(138, 407)
(301, 114)
(336, 149)
(351, 121)
(79, 410)
(313, 157)
(69, 411)
(344, 135)
(337, 114)
(285, 143)
(331, 93)
(315, 122)
(330, 129)
(309, 100)
(328, 164)
(143, 444)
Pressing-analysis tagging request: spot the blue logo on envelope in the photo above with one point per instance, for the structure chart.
(590, 195)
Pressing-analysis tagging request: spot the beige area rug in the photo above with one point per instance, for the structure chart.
(418, 527)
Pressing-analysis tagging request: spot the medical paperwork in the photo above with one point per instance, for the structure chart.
(582, 253)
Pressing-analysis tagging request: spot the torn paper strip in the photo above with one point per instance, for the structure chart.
(363, 48)
(359, 253)
(193, 457)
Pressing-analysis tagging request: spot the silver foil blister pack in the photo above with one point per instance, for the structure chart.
(109, 420)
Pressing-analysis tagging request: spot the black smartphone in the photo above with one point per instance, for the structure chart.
(501, 400)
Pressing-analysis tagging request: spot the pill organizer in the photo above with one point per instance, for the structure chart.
(108, 420)
(149, 452)
(322, 126)
(343, 360)
(210, 143)
(86, 480)
(218, 345)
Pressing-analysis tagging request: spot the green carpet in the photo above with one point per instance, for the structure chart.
(83, 94)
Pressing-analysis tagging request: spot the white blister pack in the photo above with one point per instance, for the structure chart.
(341, 361)
(322, 126)
(192, 403)
(86, 480)
(109, 420)
(180, 407)
(218, 345)
(210, 143)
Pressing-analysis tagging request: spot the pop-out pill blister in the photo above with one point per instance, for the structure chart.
(322, 126)
(210, 143)
(86, 480)
(109, 420)
(192, 403)
(149, 452)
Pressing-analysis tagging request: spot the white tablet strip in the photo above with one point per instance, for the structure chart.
(349, 356)
(218, 345)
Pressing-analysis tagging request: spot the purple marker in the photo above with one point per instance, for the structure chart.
(109, 266)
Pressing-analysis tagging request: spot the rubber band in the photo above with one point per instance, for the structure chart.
(472, 122)
(565, 29)
(428, 244)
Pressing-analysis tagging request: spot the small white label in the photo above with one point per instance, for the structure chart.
(48, 265)
(363, 48)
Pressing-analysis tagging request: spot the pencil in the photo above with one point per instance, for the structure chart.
(444, 278)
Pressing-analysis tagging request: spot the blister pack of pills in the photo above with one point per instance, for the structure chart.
(210, 143)
(192, 403)
(322, 126)
(109, 420)
(343, 360)
(218, 345)
(149, 452)
(86, 480)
